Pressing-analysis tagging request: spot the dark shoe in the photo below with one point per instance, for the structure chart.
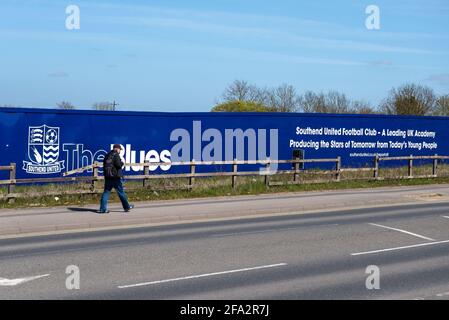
(102, 212)
(131, 206)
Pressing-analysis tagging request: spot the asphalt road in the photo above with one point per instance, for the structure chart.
(312, 256)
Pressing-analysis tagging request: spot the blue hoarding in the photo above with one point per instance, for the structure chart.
(46, 143)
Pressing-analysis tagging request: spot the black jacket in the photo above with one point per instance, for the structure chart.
(117, 162)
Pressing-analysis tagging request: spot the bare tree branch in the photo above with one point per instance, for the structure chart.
(442, 106)
(65, 105)
(105, 106)
(410, 99)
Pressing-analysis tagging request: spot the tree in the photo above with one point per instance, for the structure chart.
(337, 102)
(65, 105)
(410, 99)
(241, 90)
(108, 106)
(331, 102)
(311, 102)
(362, 107)
(241, 106)
(280, 99)
(442, 106)
(283, 99)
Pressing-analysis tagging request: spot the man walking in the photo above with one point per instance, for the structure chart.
(113, 174)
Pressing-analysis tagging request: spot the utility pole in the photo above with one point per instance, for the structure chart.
(114, 104)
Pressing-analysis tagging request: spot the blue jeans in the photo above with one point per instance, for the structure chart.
(109, 184)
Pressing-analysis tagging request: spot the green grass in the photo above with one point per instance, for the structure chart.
(208, 187)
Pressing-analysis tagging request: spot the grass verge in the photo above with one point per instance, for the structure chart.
(211, 188)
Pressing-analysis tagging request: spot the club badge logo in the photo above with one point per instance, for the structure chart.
(43, 151)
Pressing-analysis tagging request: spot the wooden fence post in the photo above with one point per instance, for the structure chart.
(296, 175)
(376, 167)
(435, 166)
(12, 182)
(94, 177)
(338, 169)
(410, 166)
(267, 173)
(192, 171)
(146, 173)
(234, 177)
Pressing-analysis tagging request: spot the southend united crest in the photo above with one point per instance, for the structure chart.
(43, 151)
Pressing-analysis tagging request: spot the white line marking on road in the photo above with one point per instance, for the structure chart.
(400, 248)
(445, 217)
(14, 282)
(403, 231)
(203, 275)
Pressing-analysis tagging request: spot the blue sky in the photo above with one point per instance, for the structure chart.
(180, 55)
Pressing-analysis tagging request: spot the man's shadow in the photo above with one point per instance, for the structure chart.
(83, 210)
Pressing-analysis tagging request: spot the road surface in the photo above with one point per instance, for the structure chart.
(310, 256)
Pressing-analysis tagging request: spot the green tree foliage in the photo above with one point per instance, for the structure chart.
(280, 99)
(408, 99)
(242, 96)
(241, 106)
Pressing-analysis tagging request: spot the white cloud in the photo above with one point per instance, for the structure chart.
(278, 29)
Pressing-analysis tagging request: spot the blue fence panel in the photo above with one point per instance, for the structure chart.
(46, 142)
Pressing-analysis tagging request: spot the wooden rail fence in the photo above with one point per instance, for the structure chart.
(95, 178)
